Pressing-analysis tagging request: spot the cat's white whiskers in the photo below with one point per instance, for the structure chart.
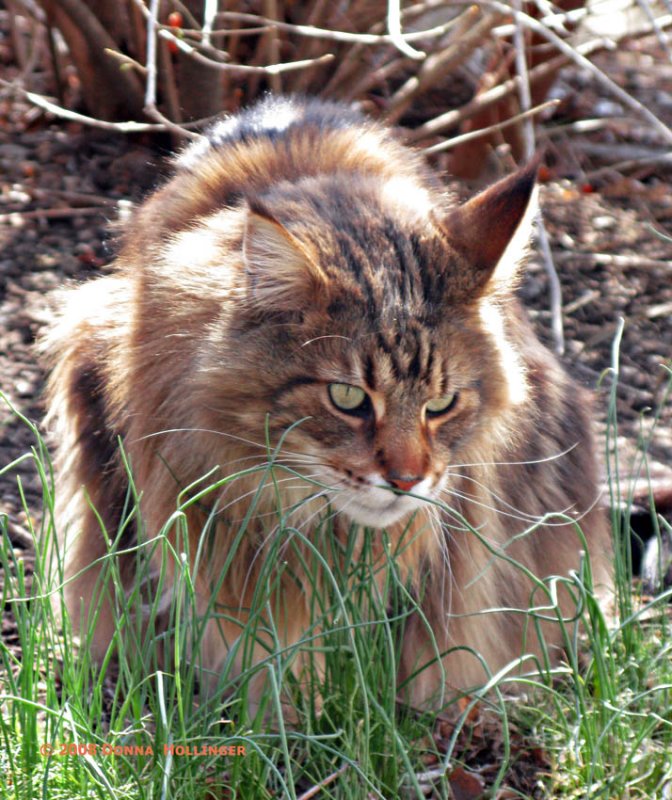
(527, 462)
(514, 513)
(472, 500)
(258, 489)
(269, 447)
(326, 336)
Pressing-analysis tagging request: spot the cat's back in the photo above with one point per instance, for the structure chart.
(279, 140)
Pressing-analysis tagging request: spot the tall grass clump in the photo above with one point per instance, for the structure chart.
(150, 720)
(609, 726)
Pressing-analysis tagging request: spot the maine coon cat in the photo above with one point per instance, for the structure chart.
(303, 271)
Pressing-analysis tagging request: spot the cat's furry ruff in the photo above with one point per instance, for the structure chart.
(303, 246)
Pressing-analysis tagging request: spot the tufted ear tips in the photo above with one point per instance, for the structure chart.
(492, 231)
(281, 273)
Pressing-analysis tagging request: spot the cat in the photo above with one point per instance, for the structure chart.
(303, 280)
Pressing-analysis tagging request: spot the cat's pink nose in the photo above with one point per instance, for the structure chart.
(404, 484)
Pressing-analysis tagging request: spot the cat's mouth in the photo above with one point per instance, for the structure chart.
(375, 504)
(379, 516)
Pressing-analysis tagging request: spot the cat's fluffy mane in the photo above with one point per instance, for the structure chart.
(301, 245)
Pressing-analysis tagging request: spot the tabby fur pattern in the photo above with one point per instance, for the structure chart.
(302, 247)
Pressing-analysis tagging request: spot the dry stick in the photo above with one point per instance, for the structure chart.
(616, 260)
(352, 66)
(273, 43)
(448, 144)
(193, 35)
(247, 69)
(525, 99)
(315, 790)
(27, 57)
(663, 160)
(230, 43)
(17, 217)
(169, 83)
(310, 48)
(55, 65)
(65, 113)
(243, 69)
(580, 60)
(139, 44)
(373, 77)
(127, 61)
(98, 39)
(396, 35)
(454, 117)
(32, 10)
(316, 16)
(554, 287)
(524, 92)
(151, 109)
(346, 37)
(662, 37)
(440, 63)
(209, 14)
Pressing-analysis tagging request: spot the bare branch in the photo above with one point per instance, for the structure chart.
(120, 127)
(573, 54)
(396, 35)
(467, 137)
(492, 96)
(346, 37)
(467, 37)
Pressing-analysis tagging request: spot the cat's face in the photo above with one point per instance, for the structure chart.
(374, 329)
(392, 413)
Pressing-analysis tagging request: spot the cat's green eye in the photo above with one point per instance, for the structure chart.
(348, 398)
(440, 405)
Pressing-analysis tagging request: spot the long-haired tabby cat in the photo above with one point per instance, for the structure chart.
(302, 266)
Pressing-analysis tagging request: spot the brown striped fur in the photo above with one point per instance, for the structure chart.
(304, 246)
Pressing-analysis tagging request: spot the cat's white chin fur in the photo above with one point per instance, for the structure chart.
(379, 517)
(377, 507)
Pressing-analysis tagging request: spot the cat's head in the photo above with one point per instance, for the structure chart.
(385, 325)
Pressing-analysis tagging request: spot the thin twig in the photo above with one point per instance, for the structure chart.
(524, 92)
(467, 37)
(554, 287)
(127, 61)
(18, 217)
(452, 118)
(150, 64)
(622, 261)
(467, 137)
(371, 78)
(65, 113)
(209, 15)
(243, 69)
(347, 37)
(273, 43)
(396, 35)
(580, 60)
(662, 161)
(314, 790)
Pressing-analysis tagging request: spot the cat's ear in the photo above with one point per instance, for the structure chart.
(493, 230)
(281, 274)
